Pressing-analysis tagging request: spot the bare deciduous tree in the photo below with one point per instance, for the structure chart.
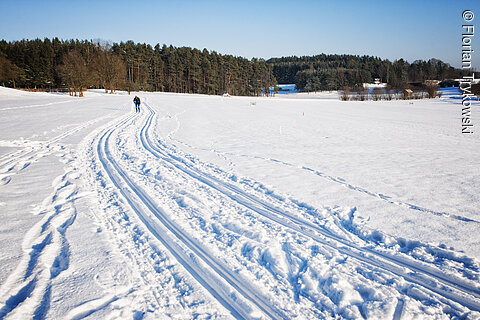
(8, 71)
(74, 72)
(432, 89)
(362, 93)
(109, 70)
(377, 93)
(345, 93)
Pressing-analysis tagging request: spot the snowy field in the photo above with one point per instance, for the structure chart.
(300, 206)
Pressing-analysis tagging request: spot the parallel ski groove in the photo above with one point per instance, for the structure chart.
(421, 274)
(120, 178)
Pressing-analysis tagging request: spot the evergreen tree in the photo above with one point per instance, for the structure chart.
(48, 64)
(329, 72)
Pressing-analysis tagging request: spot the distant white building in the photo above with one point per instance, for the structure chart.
(377, 83)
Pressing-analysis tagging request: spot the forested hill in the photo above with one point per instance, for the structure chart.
(131, 66)
(331, 72)
(80, 64)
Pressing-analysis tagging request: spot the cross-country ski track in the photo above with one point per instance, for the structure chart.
(213, 275)
(392, 264)
(183, 237)
(159, 224)
(31, 151)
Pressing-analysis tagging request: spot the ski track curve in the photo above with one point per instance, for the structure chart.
(446, 287)
(339, 180)
(27, 291)
(225, 286)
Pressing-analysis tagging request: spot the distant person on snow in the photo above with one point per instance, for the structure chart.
(136, 101)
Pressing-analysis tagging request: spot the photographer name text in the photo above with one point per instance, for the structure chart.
(466, 82)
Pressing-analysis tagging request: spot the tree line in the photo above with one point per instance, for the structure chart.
(333, 72)
(80, 64)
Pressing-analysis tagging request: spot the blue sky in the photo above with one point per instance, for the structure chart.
(387, 29)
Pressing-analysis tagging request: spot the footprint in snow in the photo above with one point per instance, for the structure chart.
(5, 180)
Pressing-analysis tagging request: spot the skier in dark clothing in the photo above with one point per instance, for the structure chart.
(136, 101)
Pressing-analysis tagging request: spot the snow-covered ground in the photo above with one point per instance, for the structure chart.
(202, 207)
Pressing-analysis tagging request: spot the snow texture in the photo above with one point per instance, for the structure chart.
(299, 206)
